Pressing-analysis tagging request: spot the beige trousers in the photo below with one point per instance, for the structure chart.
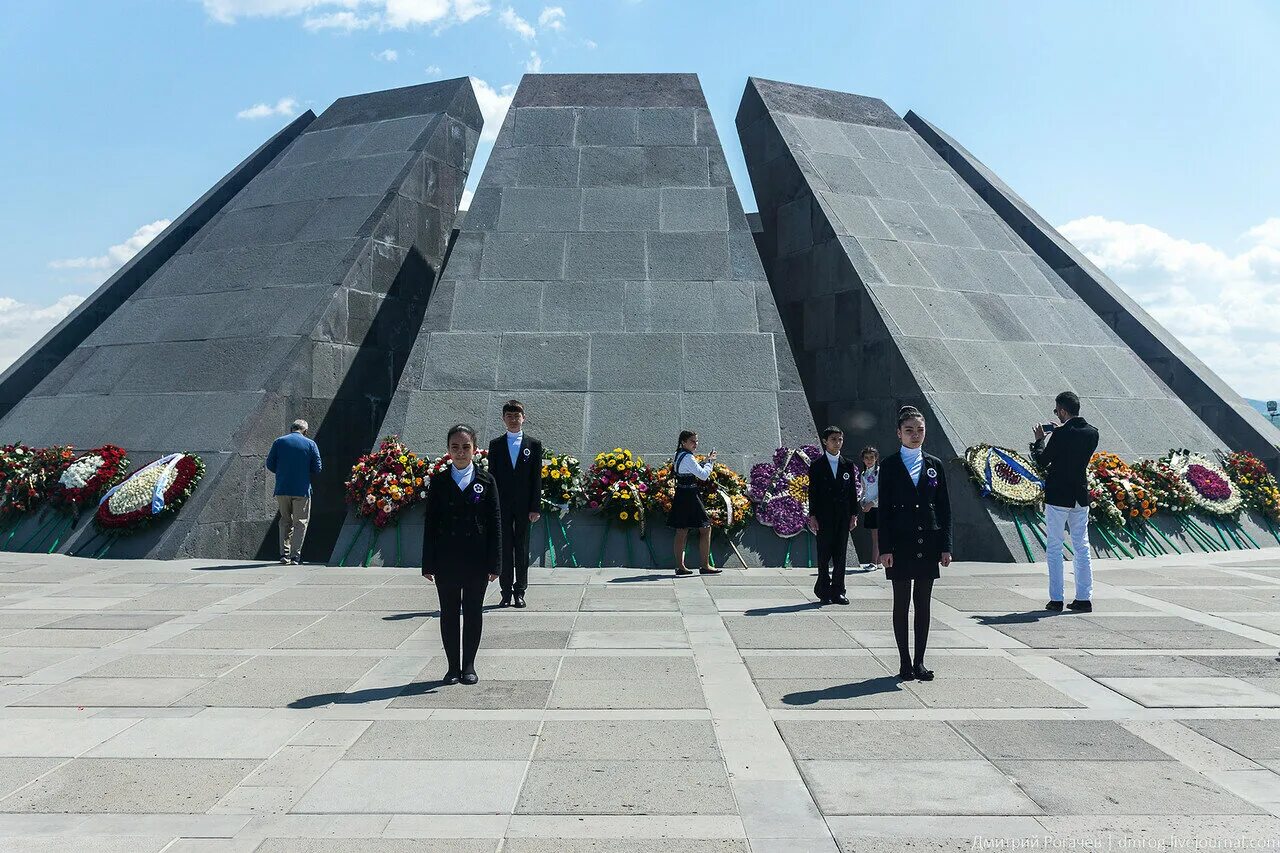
(294, 515)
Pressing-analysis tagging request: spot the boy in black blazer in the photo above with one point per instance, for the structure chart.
(915, 535)
(1064, 457)
(515, 461)
(835, 489)
(461, 541)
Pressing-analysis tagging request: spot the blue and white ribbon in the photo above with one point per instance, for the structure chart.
(1014, 464)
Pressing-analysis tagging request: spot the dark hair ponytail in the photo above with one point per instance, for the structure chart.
(907, 413)
(464, 428)
(685, 435)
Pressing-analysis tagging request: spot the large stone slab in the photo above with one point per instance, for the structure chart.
(898, 283)
(605, 276)
(298, 296)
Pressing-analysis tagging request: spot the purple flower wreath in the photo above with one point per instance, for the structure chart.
(780, 489)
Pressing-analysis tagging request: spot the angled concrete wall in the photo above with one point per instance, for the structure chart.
(28, 371)
(1238, 424)
(897, 283)
(605, 275)
(300, 298)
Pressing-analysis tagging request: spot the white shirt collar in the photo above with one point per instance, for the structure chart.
(462, 476)
(831, 457)
(515, 436)
(909, 453)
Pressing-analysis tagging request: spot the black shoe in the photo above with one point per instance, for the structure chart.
(906, 673)
(451, 677)
(469, 677)
(520, 600)
(681, 571)
(1082, 606)
(505, 601)
(1053, 605)
(824, 601)
(841, 599)
(921, 673)
(707, 570)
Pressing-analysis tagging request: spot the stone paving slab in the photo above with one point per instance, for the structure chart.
(623, 711)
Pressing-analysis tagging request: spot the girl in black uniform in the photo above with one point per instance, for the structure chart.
(915, 534)
(461, 550)
(687, 512)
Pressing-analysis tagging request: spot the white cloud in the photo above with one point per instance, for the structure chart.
(350, 15)
(282, 107)
(116, 256)
(534, 65)
(345, 21)
(1224, 307)
(387, 55)
(551, 18)
(433, 70)
(590, 45)
(494, 104)
(517, 24)
(22, 324)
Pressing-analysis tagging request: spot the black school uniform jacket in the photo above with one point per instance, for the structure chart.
(833, 499)
(520, 486)
(1065, 456)
(462, 534)
(907, 510)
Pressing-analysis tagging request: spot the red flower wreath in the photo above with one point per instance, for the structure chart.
(186, 474)
(104, 466)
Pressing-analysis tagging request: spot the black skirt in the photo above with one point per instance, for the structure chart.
(915, 560)
(687, 511)
(871, 519)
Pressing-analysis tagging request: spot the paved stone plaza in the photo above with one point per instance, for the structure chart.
(196, 706)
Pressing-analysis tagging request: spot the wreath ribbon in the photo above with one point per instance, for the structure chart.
(157, 496)
(1017, 467)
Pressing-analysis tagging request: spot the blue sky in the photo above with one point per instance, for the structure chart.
(1146, 130)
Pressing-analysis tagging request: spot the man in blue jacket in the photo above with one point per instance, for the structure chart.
(294, 459)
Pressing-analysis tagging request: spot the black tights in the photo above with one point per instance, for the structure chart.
(901, 601)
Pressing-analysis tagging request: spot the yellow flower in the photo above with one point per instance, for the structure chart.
(555, 475)
(623, 515)
(404, 459)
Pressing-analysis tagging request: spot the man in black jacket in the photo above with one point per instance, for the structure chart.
(1064, 453)
(834, 491)
(515, 460)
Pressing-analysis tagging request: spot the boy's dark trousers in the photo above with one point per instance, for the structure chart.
(833, 542)
(461, 596)
(515, 553)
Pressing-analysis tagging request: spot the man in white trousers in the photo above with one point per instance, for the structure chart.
(1063, 453)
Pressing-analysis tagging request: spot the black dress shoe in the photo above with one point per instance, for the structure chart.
(906, 673)
(451, 677)
(707, 570)
(520, 600)
(505, 601)
(1053, 605)
(1082, 606)
(841, 599)
(920, 672)
(469, 677)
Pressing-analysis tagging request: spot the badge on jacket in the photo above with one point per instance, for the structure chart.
(526, 453)
(846, 475)
(478, 488)
(931, 473)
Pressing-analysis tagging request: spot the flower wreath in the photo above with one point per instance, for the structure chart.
(385, 481)
(1211, 489)
(617, 485)
(1122, 487)
(561, 482)
(1257, 485)
(1005, 475)
(88, 476)
(1102, 509)
(27, 474)
(1166, 486)
(724, 494)
(780, 489)
(152, 491)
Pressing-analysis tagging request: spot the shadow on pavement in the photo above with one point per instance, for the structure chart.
(870, 687)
